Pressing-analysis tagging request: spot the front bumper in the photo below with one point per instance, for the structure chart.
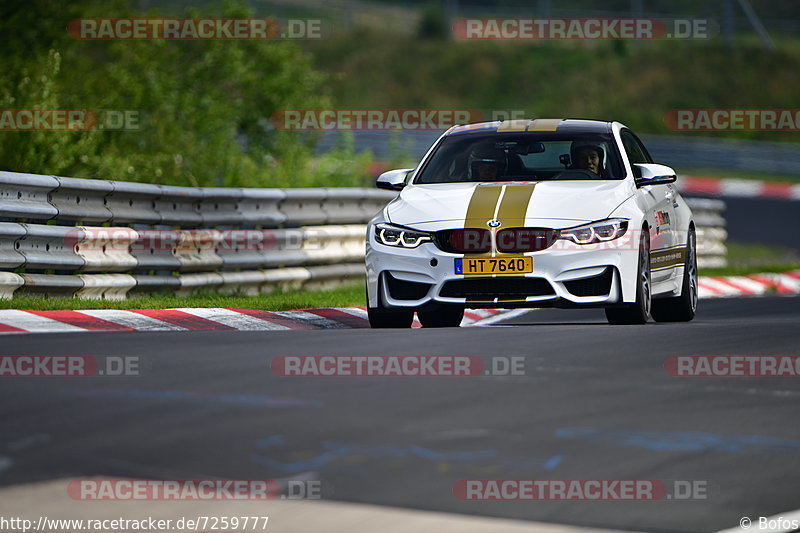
(564, 275)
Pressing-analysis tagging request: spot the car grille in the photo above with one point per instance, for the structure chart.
(509, 240)
(518, 240)
(463, 240)
(599, 285)
(496, 288)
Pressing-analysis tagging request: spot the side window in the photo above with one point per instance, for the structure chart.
(636, 151)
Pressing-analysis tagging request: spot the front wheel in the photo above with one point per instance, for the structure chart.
(681, 308)
(639, 311)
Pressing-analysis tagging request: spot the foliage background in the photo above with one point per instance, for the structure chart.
(204, 106)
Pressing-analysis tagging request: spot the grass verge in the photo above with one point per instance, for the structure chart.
(739, 175)
(746, 270)
(345, 296)
(745, 258)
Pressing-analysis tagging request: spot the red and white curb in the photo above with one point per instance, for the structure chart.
(202, 319)
(738, 188)
(223, 319)
(750, 285)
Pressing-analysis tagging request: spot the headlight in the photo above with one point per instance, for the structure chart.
(600, 231)
(399, 236)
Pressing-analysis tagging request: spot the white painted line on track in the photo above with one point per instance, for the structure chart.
(514, 313)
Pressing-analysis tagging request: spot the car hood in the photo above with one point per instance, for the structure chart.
(513, 204)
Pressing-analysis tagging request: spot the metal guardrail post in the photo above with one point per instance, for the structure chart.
(10, 233)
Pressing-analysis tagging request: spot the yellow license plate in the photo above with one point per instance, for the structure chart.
(494, 265)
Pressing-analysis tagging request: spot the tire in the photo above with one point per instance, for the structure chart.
(639, 311)
(441, 316)
(681, 308)
(380, 317)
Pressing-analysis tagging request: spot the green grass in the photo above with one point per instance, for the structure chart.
(345, 296)
(746, 259)
(739, 175)
(609, 80)
(747, 254)
(746, 270)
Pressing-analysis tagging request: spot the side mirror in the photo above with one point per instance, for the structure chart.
(394, 180)
(652, 174)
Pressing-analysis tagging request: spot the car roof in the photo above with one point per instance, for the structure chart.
(557, 125)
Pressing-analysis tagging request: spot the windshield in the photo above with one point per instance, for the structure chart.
(522, 157)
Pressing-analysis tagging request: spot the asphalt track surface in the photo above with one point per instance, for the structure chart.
(763, 220)
(594, 402)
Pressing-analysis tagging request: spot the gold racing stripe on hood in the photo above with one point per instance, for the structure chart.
(506, 203)
(482, 205)
(514, 205)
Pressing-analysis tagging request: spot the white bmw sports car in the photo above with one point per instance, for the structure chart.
(532, 213)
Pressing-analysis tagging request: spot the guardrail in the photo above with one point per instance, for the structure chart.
(105, 239)
(711, 232)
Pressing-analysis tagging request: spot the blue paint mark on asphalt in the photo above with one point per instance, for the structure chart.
(252, 400)
(683, 441)
(553, 462)
(333, 450)
(275, 440)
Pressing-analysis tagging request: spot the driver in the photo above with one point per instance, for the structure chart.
(588, 156)
(486, 163)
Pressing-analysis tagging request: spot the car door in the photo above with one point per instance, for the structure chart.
(661, 211)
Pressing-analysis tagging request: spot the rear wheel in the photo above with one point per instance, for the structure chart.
(381, 317)
(441, 316)
(639, 311)
(681, 308)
